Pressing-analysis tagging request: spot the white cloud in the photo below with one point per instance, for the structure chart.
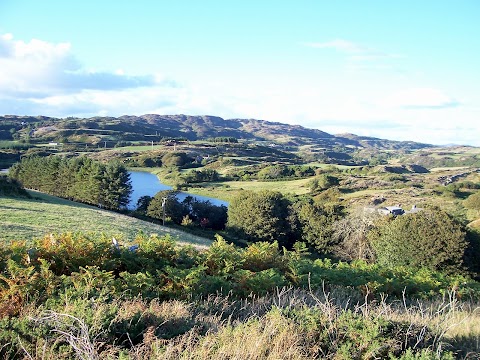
(419, 98)
(38, 69)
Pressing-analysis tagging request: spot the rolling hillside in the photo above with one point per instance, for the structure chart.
(155, 127)
(25, 219)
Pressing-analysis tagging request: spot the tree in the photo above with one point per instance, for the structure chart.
(204, 175)
(142, 204)
(323, 182)
(274, 172)
(260, 216)
(174, 210)
(428, 239)
(172, 159)
(350, 235)
(316, 222)
(116, 187)
(205, 213)
(80, 179)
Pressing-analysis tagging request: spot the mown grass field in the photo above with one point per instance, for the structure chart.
(25, 219)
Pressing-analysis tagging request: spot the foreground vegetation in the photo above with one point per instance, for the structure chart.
(75, 295)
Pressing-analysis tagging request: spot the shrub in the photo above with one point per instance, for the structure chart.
(177, 159)
(429, 239)
(473, 201)
(323, 182)
(260, 216)
(12, 187)
(316, 224)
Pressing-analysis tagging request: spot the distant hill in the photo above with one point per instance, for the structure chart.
(136, 128)
(372, 142)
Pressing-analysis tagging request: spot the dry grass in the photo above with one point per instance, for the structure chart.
(267, 328)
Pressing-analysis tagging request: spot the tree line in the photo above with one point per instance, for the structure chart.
(189, 212)
(78, 179)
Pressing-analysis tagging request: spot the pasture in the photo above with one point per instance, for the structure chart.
(25, 219)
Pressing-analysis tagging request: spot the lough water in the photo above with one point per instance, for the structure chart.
(145, 183)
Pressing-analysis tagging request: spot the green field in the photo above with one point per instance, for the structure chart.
(226, 190)
(25, 219)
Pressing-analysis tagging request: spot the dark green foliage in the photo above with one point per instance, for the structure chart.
(278, 172)
(205, 214)
(142, 204)
(224, 139)
(8, 158)
(323, 182)
(11, 187)
(115, 186)
(201, 213)
(79, 179)
(204, 175)
(428, 239)
(166, 202)
(316, 223)
(13, 145)
(148, 159)
(175, 159)
(261, 216)
(472, 253)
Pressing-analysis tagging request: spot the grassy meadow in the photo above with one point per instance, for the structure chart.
(226, 190)
(25, 219)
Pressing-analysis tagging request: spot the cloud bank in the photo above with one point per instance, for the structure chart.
(45, 77)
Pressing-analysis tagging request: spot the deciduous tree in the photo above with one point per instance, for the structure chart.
(260, 216)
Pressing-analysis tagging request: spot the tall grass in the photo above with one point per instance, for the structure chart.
(290, 324)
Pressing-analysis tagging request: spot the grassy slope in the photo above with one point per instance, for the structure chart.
(24, 219)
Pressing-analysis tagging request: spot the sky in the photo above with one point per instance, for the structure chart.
(399, 70)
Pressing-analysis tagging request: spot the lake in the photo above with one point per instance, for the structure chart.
(147, 184)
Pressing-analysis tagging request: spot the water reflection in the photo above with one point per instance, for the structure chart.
(147, 184)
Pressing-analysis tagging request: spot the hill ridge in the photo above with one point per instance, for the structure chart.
(192, 127)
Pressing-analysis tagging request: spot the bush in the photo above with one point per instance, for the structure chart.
(316, 223)
(428, 239)
(173, 159)
(473, 201)
(260, 216)
(323, 182)
(12, 187)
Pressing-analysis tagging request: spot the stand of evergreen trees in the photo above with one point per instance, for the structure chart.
(78, 179)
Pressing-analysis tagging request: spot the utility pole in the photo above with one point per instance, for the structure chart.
(164, 202)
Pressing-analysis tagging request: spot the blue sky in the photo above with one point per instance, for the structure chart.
(402, 70)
